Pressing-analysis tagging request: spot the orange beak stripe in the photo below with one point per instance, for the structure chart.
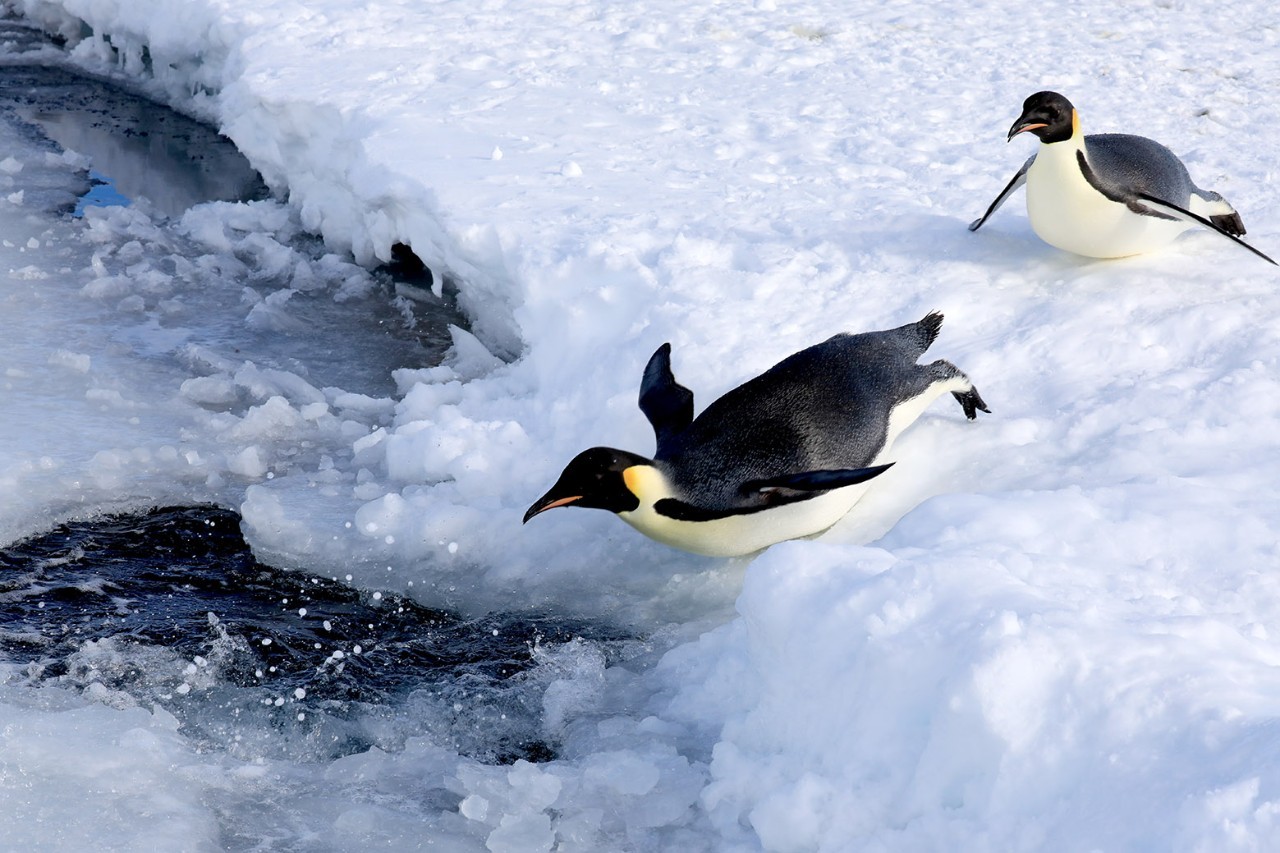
(561, 502)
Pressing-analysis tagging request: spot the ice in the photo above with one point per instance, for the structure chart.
(96, 772)
(1053, 629)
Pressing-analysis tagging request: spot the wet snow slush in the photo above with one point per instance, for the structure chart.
(134, 605)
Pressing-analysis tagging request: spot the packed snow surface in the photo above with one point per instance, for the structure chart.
(1057, 628)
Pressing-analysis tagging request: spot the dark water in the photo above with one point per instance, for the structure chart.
(138, 148)
(132, 608)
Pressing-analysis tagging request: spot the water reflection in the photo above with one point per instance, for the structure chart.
(138, 148)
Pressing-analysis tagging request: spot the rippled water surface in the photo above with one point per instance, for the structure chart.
(171, 609)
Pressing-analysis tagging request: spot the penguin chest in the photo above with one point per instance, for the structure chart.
(1067, 212)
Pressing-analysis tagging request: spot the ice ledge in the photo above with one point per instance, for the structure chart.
(223, 66)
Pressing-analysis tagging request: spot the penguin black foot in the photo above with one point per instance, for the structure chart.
(971, 401)
(1229, 222)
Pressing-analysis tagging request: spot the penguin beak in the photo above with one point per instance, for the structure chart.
(1024, 124)
(549, 501)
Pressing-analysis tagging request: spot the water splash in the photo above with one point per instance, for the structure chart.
(171, 609)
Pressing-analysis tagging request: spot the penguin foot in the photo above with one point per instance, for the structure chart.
(1229, 222)
(971, 401)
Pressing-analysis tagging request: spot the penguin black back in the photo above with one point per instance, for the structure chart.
(825, 407)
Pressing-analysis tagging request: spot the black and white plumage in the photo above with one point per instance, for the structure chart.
(782, 456)
(1107, 195)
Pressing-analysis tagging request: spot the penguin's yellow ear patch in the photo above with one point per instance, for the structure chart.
(644, 481)
(1075, 122)
(631, 476)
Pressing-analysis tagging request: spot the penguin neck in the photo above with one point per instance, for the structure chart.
(647, 482)
(1057, 164)
(650, 485)
(1063, 149)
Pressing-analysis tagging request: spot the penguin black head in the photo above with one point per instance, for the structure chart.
(593, 479)
(1046, 115)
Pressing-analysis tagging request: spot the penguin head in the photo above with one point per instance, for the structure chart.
(1048, 116)
(596, 479)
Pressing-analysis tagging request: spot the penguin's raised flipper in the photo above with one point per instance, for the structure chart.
(1170, 209)
(813, 481)
(665, 402)
(1018, 180)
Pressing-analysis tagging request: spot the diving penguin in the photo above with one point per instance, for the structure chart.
(1107, 195)
(782, 456)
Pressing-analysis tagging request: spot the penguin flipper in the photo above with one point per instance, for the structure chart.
(775, 491)
(665, 402)
(799, 486)
(1171, 209)
(1017, 181)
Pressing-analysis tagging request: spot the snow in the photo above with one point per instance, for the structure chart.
(1052, 629)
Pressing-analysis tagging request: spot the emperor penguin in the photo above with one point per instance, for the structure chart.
(781, 456)
(1107, 195)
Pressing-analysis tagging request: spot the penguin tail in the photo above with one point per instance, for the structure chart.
(929, 327)
(915, 338)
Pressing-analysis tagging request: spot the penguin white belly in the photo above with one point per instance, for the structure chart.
(1067, 212)
(736, 535)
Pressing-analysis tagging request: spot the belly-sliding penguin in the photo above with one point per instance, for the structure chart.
(1107, 195)
(782, 456)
